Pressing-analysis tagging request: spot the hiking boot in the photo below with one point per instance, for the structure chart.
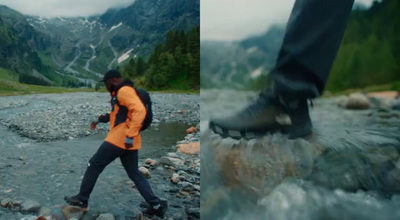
(268, 113)
(158, 210)
(75, 201)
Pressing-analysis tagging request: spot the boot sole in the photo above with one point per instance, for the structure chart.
(293, 132)
(83, 209)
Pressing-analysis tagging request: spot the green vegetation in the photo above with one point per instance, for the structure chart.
(29, 79)
(395, 86)
(370, 50)
(8, 88)
(14, 88)
(8, 75)
(173, 65)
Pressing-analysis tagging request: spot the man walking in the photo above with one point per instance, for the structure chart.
(123, 141)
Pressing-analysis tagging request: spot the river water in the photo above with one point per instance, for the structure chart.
(348, 169)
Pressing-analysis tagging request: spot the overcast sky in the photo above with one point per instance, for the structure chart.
(237, 19)
(64, 8)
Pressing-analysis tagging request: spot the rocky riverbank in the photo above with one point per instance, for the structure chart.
(38, 168)
(181, 172)
(66, 116)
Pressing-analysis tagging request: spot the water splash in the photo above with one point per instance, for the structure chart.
(348, 169)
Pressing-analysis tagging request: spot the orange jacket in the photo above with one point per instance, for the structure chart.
(126, 118)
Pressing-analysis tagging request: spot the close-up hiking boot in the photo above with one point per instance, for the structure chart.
(267, 114)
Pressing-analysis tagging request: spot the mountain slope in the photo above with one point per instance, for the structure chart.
(89, 46)
(17, 39)
(239, 64)
(81, 49)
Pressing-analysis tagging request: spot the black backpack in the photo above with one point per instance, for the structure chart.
(145, 98)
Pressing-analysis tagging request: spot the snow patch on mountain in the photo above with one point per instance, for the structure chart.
(257, 72)
(251, 50)
(124, 56)
(115, 26)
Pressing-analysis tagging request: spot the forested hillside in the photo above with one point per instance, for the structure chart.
(370, 50)
(175, 64)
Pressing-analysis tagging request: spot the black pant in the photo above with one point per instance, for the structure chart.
(129, 158)
(312, 39)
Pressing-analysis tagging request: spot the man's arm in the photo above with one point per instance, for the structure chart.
(129, 98)
(100, 119)
(104, 118)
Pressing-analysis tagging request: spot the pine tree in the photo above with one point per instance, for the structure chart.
(140, 66)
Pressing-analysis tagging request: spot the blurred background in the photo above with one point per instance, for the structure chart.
(240, 42)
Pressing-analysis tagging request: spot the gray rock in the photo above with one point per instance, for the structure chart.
(160, 168)
(186, 177)
(184, 185)
(44, 211)
(174, 155)
(357, 101)
(16, 202)
(197, 187)
(156, 121)
(175, 178)
(5, 202)
(194, 212)
(30, 206)
(106, 216)
(171, 161)
(386, 103)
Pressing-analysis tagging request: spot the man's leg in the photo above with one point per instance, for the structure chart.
(312, 38)
(130, 162)
(104, 156)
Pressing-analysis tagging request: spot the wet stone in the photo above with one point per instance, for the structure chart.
(357, 101)
(70, 212)
(16, 202)
(175, 178)
(44, 211)
(171, 161)
(194, 212)
(174, 190)
(151, 162)
(106, 216)
(174, 155)
(145, 172)
(30, 206)
(184, 184)
(5, 202)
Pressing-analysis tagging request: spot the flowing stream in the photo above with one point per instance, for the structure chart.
(348, 169)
